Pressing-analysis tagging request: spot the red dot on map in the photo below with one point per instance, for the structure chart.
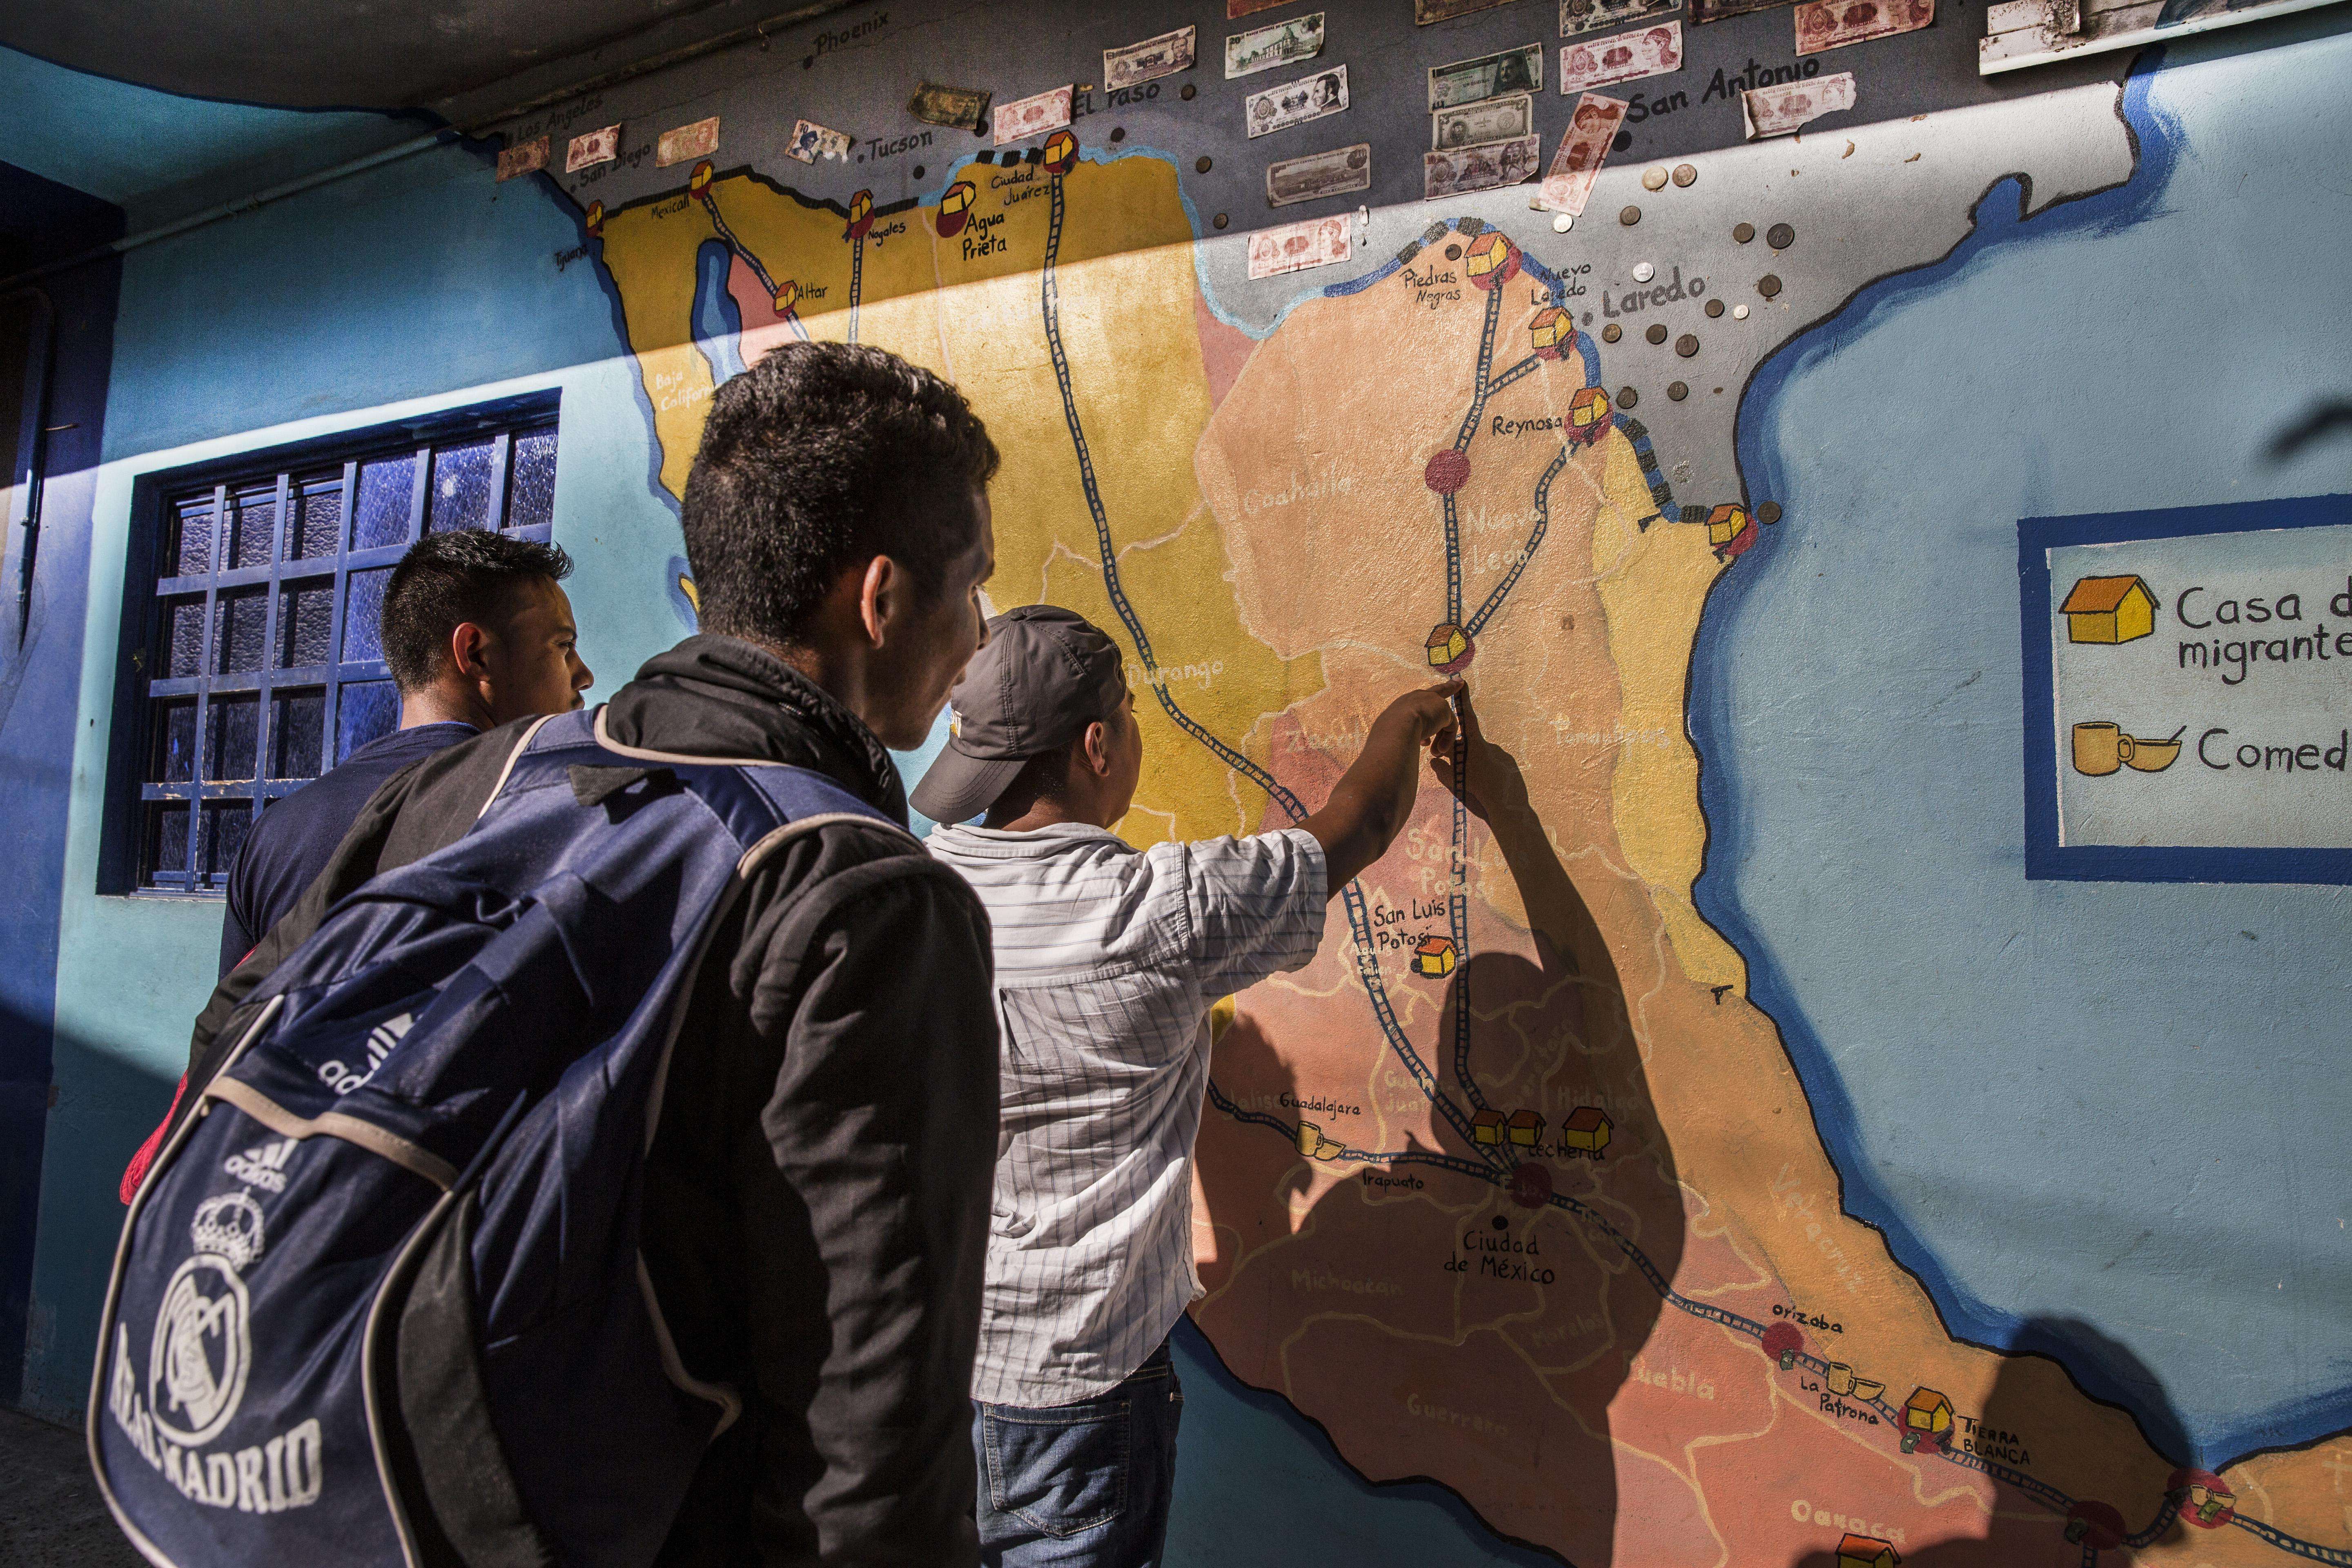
(1782, 1340)
(2103, 1528)
(1531, 1186)
(1448, 471)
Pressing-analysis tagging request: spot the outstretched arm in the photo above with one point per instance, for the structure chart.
(1369, 805)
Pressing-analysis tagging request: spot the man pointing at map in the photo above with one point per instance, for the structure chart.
(1108, 962)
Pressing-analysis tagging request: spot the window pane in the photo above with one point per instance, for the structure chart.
(225, 828)
(387, 490)
(167, 838)
(231, 726)
(189, 552)
(318, 504)
(240, 623)
(297, 725)
(306, 624)
(184, 638)
(171, 757)
(461, 487)
(363, 616)
(254, 533)
(530, 485)
(366, 711)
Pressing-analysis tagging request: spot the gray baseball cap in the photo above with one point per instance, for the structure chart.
(1044, 676)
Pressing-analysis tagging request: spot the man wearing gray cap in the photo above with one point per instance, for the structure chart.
(1107, 961)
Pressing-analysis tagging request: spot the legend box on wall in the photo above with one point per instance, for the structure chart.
(2188, 693)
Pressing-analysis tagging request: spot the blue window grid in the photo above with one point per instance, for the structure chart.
(203, 867)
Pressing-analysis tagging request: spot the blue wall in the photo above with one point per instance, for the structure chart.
(40, 658)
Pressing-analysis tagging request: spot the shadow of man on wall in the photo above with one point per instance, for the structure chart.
(2137, 1460)
(1486, 1299)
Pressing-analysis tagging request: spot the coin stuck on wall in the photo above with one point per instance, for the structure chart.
(1611, 332)
(1715, 307)
(1657, 332)
(1743, 232)
(1780, 237)
(1221, 220)
(1740, 313)
(1686, 345)
(1677, 391)
(1630, 216)
(1643, 272)
(1202, 165)
(1767, 285)
(1627, 397)
(1189, 93)
(1653, 179)
(1770, 512)
(1685, 175)
(1561, 223)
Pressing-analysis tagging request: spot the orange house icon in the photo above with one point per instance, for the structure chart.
(2109, 610)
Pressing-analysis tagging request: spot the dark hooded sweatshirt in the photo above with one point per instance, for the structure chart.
(816, 1197)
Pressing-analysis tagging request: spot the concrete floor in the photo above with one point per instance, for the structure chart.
(50, 1514)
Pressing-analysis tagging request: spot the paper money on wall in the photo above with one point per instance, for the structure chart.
(1488, 75)
(699, 140)
(1034, 115)
(963, 107)
(1163, 55)
(811, 142)
(1479, 168)
(601, 146)
(1780, 109)
(1296, 102)
(1496, 120)
(1834, 23)
(1263, 48)
(1331, 174)
(1295, 247)
(523, 158)
(1568, 184)
(1600, 16)
(1424, 12)
(1622, 57)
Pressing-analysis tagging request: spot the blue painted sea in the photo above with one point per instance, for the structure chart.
(2117, 1104)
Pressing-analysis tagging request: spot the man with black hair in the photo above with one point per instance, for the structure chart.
(815, 1196)
(477, 631)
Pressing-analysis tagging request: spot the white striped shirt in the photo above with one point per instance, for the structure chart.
(1108, 962)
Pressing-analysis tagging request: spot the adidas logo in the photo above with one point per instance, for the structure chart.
(263, 1165)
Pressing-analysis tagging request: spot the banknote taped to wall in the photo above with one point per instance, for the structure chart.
(1496, 120)
(1034, 115)
(1263, 48)
(699, 140)
(1786, 107)
(599, 146)
(1335, 172)
(1488, 75)
(1479, 168)
(1296, 102)
(963, 107)
(523, 158)
(811, 142)
(1295, 247)
(1834, 23)
(1138, 63)
(1600, 16)
(1568, 184)
(1656, 50)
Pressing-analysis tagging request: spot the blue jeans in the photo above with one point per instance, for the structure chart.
(1084, 1485)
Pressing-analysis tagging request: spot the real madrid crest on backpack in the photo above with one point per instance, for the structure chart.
(379, 1300)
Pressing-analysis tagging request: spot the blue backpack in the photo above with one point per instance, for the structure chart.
(381, 1289)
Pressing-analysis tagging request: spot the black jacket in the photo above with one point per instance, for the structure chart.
(816, 1197)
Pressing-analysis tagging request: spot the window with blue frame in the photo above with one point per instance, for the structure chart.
(253, 630)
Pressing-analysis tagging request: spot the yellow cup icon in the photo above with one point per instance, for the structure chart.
(2100, 748)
